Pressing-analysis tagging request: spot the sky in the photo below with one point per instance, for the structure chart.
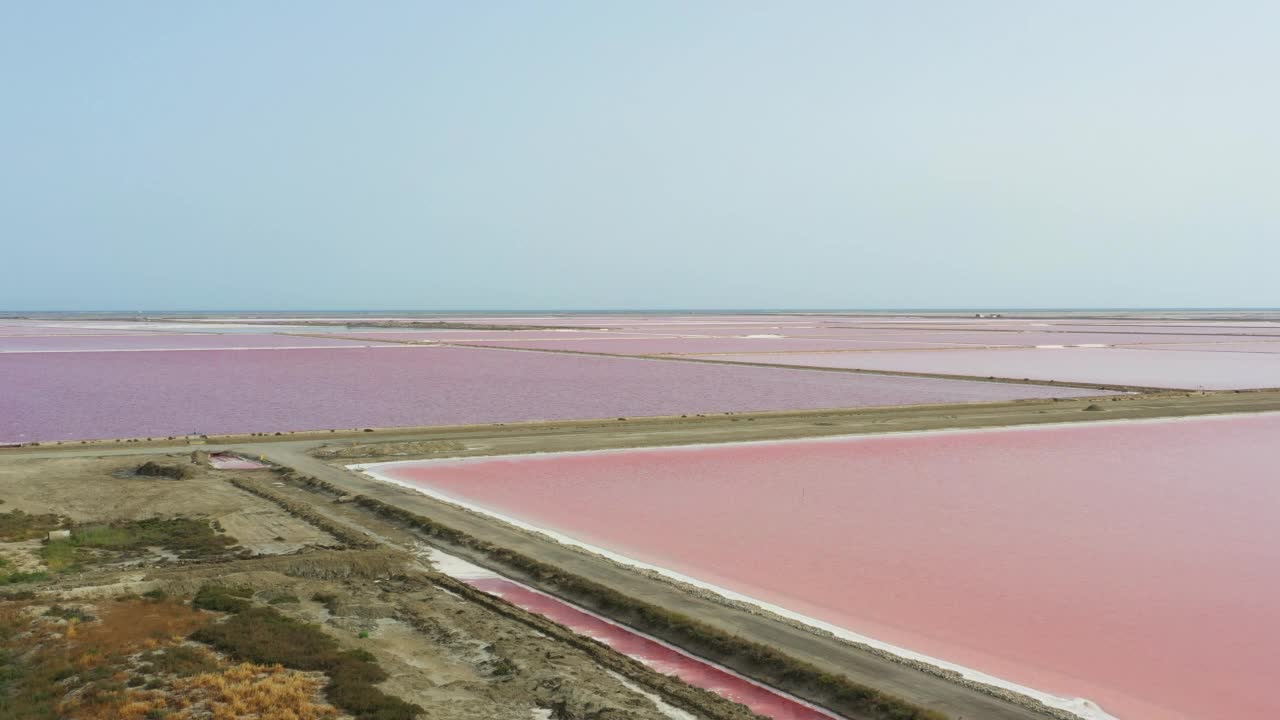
(659, 154)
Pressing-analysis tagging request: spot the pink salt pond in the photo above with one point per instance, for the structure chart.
(1135, 564)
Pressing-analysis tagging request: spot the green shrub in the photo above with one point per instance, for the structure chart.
(59, 555)
(221, 598)
(188, 538)
(15, 578)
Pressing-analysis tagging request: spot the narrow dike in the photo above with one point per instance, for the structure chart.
(661, 657)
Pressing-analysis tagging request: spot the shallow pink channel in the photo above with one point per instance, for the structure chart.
(1135, 564)
(655, 655)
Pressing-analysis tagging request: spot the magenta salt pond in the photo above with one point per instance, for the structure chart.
(79, 395)
(1135, 564)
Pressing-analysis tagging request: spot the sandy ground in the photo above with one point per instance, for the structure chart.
(90, 489)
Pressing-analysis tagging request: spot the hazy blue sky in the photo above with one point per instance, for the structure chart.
(160, 155)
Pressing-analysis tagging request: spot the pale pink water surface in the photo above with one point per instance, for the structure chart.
(694, 345)
(81, 395)
(1115, 366)
(40, 330)
(472, 335)
(1252, 346)
(1030, 338)
(227, 461)
(169, 341)
(1135, 564)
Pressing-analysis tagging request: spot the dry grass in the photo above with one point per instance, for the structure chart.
(268, 693)
(132, 626)
(240, 692)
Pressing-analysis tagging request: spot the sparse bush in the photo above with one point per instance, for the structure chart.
(68, 613)
(154, 469)
(221, 598)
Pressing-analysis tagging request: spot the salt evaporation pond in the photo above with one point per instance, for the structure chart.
(169, 341)
(693, 345)
(1135, 564)
(86, 395)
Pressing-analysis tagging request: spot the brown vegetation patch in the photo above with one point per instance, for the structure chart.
(17, 525)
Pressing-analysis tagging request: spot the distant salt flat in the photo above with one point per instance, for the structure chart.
(1252, 346)
(1111, 366)
(455, 335)
(1019, 338)
(82, 395)
(167, 341)
(157, 328)
(1136, 564)
(694, 345)
(40, 330)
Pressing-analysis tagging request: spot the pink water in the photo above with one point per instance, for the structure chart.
(1190, 370)
(167, 341)
(1025, 338)
(1252, 346)
(656, 655)
(691, 345)
(81, 395)
(224, 461)
(472, 335)
(1135, 564)
(40, 330)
